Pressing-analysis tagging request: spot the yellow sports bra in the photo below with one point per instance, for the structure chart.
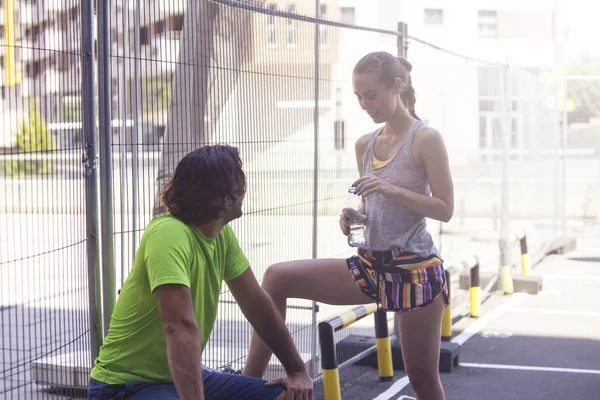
(377, 164)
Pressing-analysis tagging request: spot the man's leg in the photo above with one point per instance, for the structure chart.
(102, 391)
(151, 391)
(220, 386)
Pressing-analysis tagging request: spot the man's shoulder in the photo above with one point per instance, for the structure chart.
(167, 222)
(167, 227)
(226, 235)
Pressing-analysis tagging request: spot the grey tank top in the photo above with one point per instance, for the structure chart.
(390, 224)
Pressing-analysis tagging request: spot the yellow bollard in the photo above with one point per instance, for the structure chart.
(329, 366)
(447, 317)
(507, 282)
(475, 291)
(525, 260)
(474, 301)
(447, 323)
(525, 264)
(331, 384)
(384, 347)
(505, 274)
(384, 359)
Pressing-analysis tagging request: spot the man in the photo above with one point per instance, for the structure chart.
(168, 305)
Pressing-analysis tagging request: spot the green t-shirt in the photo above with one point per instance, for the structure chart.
(170, 252)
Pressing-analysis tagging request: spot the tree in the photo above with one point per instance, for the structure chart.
(33, 140)
(584, 94)
(213, 46)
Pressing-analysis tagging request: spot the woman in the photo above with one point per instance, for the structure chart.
(404, 178)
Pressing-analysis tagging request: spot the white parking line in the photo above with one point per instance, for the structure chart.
(531, 368)
(465, 335)
(394, 389)
(556, 312)
(486, 319)
(572, 278)
(547, 292)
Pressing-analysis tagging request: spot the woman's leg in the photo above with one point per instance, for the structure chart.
(420, 331)
(326, 281)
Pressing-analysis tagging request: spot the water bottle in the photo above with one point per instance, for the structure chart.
(354, 209)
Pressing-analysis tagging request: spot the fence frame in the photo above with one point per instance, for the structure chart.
(104, 138)
(97, 165)
(108, 270)
(90, 162)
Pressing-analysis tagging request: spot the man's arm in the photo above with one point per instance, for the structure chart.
(184, 346)
(262, 314)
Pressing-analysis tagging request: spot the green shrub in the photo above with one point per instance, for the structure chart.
(32, 137)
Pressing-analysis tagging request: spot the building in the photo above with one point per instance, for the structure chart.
(519, 33)
(39, 60)
(460, 97)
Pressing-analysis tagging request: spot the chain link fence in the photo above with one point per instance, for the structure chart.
(45, 225)
(274, 81)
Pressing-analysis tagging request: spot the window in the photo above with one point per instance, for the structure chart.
(482, 132)
(514, 133)
(489, 105)
(487, 24)
(434, 16)
(322, 28)
(496, 133)
(291, 26)
(271, 27)
(348, 15)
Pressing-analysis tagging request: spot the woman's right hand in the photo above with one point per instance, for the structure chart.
(347, 214)
(345, 222)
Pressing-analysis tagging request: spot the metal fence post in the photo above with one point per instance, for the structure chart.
(137, 133)
(313, 362)
(402, 50)
(91, 177)
(402, 42)
(506, 104)
(105, 134)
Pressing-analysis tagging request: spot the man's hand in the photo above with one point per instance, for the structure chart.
(298, 386)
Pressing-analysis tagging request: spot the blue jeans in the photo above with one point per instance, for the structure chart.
(217, 386)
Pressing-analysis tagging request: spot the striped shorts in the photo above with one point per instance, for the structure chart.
(399, 280)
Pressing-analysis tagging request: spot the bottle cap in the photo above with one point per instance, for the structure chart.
(352, 190)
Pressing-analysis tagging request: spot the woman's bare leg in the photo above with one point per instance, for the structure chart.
(420, 331)
(326, 281)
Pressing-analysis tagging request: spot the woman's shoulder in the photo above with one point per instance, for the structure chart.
(363, 142)
(426, 133)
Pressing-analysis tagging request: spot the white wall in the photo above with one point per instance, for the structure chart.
(447, 86)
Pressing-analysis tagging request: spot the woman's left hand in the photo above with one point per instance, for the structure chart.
(369, 184)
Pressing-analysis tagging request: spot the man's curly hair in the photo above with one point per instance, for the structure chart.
(202, 181)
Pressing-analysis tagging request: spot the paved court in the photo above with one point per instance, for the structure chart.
(544, 346)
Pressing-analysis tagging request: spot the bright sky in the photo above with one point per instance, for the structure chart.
(583, 25)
